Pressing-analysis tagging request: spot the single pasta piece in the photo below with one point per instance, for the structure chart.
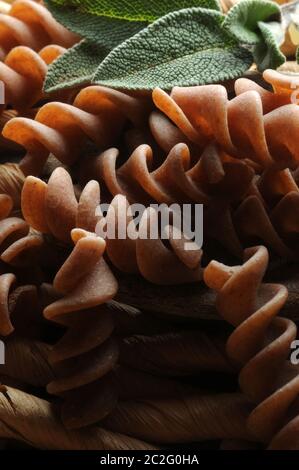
(141, 252)
(23, 72)
(98, 115)
(256, 124)
(12, 298)
(30, 24)
(17, 245)
(285, 84)
(260, 346)
(86, 354)
(176, 180)
(268, 214)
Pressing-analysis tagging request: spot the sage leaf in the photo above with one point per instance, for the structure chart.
(242, 20)
(266, 53)
(104, 24)
(76, 67)
(108, 32)
(135, 10)
(187, 47)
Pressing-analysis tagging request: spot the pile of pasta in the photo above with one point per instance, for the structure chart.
(83, 370)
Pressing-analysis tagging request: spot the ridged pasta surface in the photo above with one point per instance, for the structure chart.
(98, 115)
(16, 244)
(53, 209)
(256, 124)
(86, 354)
(30, 24)
(260, 346)
(23, 72)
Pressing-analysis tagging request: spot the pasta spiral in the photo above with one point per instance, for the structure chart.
(86, 354)
(53, 209)
(268, 214)
(16, 242)
(260, 346)
(239, 208)
(140, 252)
(98, 114)
(31, 24)
(23, 72)
(176, 180)
(204, 113)
(13, 240)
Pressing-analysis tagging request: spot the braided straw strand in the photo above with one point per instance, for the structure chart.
(192, 418)
(11, 182)
(183, 414)
(36, 422)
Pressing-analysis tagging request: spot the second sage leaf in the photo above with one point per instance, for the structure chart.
(187, 47)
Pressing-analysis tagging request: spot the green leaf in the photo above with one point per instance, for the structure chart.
(135, 10)
(242, 21)
(188, 47)
(266, 53)
(108, 32)
(76, 67)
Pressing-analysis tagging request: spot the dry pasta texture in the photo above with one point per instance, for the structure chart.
(260, 346)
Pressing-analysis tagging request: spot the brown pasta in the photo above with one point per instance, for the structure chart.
(205, 113)
(6, 115)
(149, 256)
(260, 346)
(31, 24)
(98, 114)
(44, 206)
(176, 180)
(268, 214)
(284, 84)
(86, 354)
(9, 295)
(15, 238)
(23, 72)
(248, 224)
(16, 243)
